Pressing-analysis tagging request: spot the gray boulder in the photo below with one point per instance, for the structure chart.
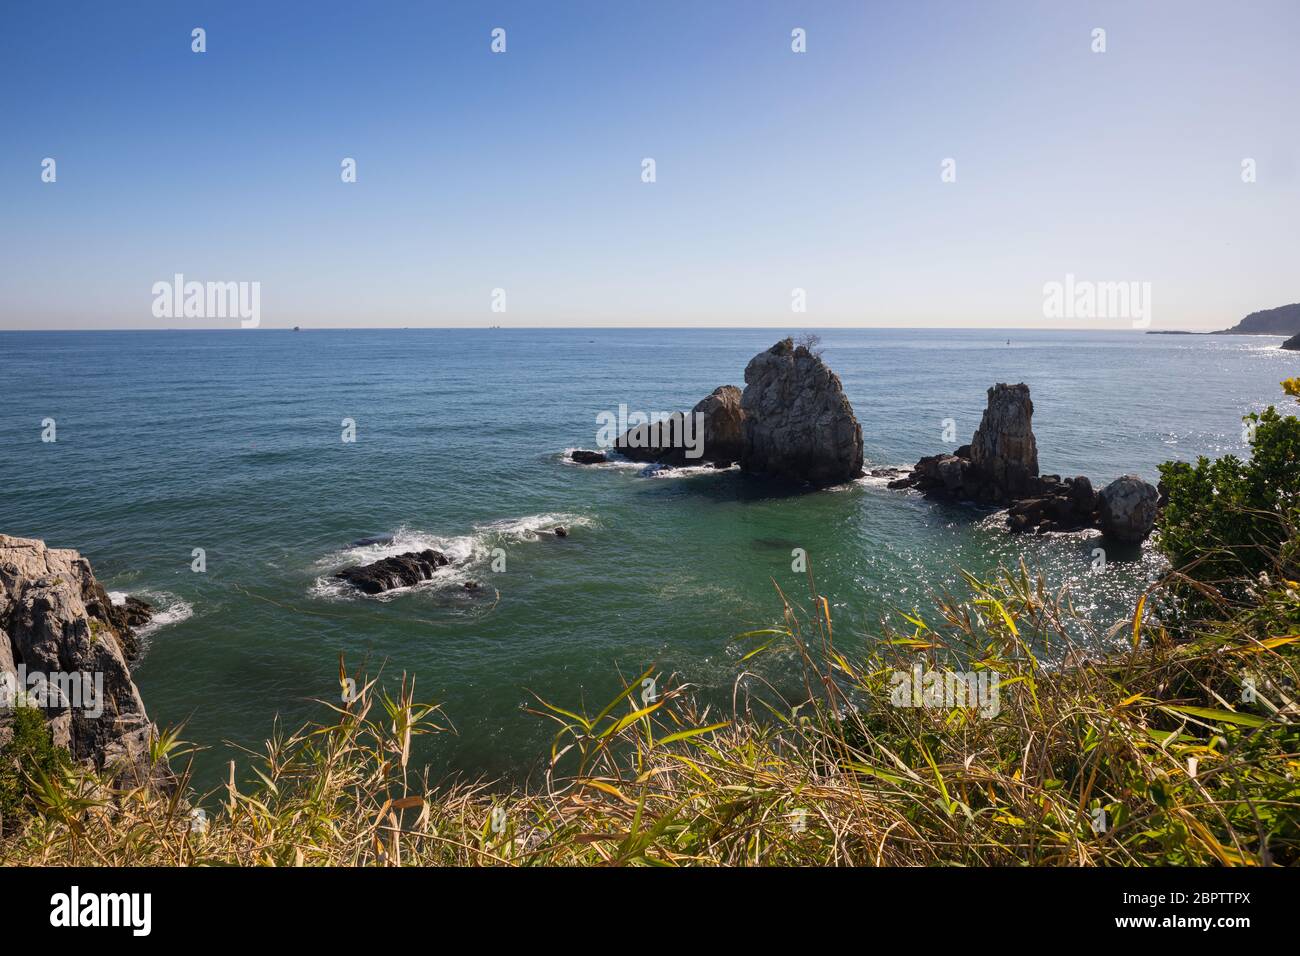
(798, 422)
(1127, 508)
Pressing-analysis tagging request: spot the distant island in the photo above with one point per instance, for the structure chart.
(1284, 320)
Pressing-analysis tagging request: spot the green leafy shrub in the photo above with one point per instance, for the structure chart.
(1227, 522)
(30, 749)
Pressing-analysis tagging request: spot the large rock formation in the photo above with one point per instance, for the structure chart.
(399, 571)
(1127, 509)
(718, 434)
(1000, 466)
(1003, 452)
(798, 422)
(66, 647)
(1293, 343)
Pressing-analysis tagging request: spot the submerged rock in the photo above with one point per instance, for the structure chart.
(73, 645)
(561, 531)
(402, 570)
(1128, 508)
(798, 422)
(583, 457)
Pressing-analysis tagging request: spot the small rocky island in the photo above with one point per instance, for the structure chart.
(1000, 467)
(791, 421)
(56, 621)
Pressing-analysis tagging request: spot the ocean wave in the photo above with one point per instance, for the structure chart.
(469, 553)
(168, 610)
(879, 481)
(686, 471)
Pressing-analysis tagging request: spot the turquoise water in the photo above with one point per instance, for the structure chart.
(230, 442)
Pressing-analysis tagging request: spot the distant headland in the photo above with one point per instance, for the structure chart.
(1284, 320)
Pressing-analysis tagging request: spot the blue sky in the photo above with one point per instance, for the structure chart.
(522, 171)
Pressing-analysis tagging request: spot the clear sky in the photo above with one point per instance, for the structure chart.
(775, 170)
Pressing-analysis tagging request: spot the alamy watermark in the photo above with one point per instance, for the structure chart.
(662, 430)
(179, 299)
(58, 689)
(1084, 299)
(972, 690)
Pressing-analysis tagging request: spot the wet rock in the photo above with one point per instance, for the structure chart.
(402, 570)
(584, 457)
(798, 422)
(561, 531)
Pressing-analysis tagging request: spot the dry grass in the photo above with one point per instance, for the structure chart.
(838, 777)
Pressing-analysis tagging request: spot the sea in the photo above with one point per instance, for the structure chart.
(210, 473)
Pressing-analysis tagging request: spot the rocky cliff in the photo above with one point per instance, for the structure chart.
(65, 647)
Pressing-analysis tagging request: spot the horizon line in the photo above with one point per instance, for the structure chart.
(660, 328)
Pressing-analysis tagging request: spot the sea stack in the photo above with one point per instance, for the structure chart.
(1000, 466)
(798, 422)
(1003, 452)
(67, 647)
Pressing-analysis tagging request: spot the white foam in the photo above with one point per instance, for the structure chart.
(688, 471)
(469, 553)
(118, 598)
(168, 610)
(615, 461)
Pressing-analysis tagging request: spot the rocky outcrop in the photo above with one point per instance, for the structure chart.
(798, 422)
(1127, 509)
(402, 570)
(1293, 343)
(584, 457)
(1003, 453)
(711, 433)
(1056, 505)
(1000, 466)
(65, 647)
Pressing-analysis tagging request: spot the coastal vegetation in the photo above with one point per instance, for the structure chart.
(1168, 737)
